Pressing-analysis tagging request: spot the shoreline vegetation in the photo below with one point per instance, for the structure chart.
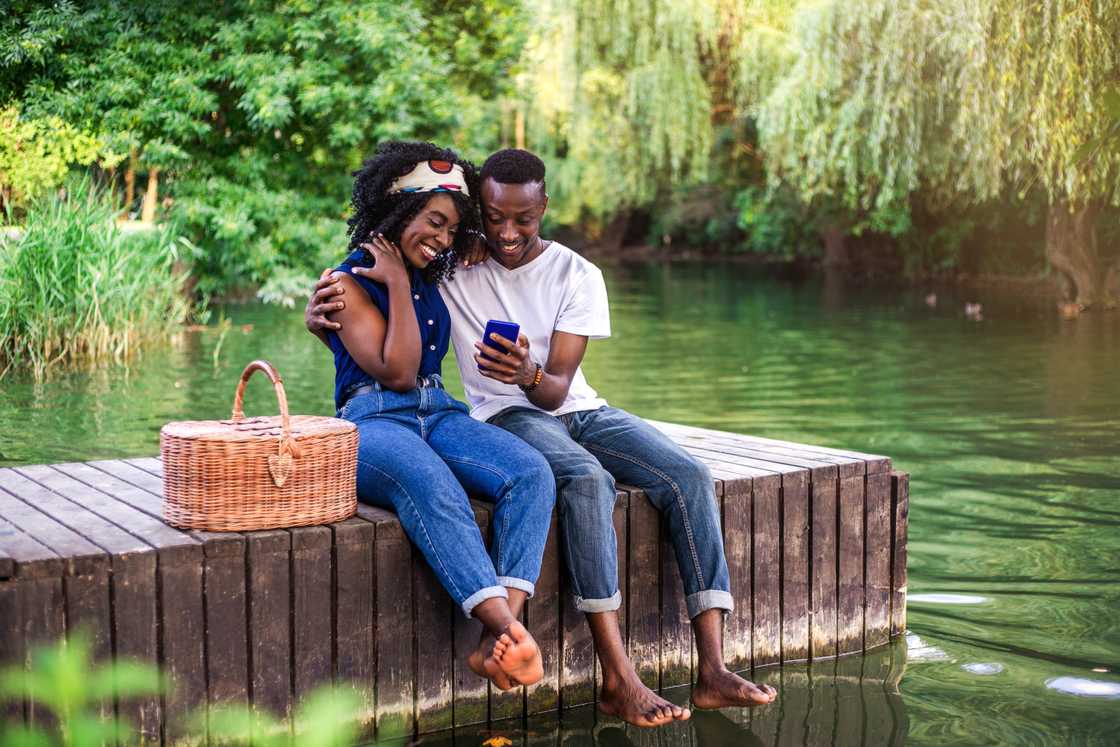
(77, 290)
(846, 133)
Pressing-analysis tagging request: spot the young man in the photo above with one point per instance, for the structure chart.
(534, 388)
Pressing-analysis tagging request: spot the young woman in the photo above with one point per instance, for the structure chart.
(419, 452)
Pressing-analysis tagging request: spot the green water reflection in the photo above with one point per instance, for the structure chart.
(1009, 427)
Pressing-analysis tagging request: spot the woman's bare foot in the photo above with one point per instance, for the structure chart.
(630, 700)
(482, 663)
(723, 689)
(517, 655)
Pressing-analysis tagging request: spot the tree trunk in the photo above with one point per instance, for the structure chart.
(148, 209)
(835, 246)
(1071, 249)
(519, 129)
(130, 181)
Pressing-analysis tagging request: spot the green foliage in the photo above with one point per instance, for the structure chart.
(63, 679)
(776, 223)
(35, 156)
(75, 289)
(257, 112)
(956, 100)
(621, 109)
(325, 719)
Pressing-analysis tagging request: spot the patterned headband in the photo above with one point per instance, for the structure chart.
(432, 176)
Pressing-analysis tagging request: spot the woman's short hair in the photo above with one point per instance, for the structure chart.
(377, 211)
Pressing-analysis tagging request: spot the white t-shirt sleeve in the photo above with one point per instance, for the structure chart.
(587, 311)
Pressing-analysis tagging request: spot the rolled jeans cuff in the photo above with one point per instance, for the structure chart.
(610, 604)
(482, 595)
(518, 583)
(702, 601)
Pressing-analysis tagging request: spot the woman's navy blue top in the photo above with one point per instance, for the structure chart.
(431, 314)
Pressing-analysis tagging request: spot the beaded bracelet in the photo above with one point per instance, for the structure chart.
(536, 380)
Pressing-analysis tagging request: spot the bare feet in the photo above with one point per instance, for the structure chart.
(634, 703)
(517, 655)
(484, 665)
(723, 689)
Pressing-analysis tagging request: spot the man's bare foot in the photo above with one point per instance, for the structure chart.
(723, 689)
(634, 703)
(518, 656)
(483, 664)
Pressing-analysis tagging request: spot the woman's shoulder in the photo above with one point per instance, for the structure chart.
(359, 258)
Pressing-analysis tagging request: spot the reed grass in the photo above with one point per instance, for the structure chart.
(76, 291)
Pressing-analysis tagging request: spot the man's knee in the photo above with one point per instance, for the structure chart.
(583, 481)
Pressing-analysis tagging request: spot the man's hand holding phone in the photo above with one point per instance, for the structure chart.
(502, 359)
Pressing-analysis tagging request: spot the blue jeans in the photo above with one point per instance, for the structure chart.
(587, 451)
(420, 453)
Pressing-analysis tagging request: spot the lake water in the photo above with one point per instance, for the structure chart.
(1008, 425)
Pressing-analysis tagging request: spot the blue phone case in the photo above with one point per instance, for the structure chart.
(508, 330)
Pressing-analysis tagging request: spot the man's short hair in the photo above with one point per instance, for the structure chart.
(513, 166)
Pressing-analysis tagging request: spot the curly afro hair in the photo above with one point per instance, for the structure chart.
(376, 211)
(513, 166)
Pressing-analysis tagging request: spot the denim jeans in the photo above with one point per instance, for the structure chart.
(587, 451)
(420, 453)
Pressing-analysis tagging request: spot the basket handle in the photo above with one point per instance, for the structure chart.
(282, 398)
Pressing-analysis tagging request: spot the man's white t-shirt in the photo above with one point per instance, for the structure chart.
(557, 291)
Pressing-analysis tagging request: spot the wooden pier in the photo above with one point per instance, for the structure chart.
(815, 541)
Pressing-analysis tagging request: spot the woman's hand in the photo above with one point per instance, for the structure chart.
(511, 364)
(326, 297)
(478, 251)
(388, 262)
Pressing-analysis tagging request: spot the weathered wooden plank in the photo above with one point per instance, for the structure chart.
(311, 609)
(850, 552)
(766, 612)
(822, 595)
(269, 594)
(17, 504)
(434, 651)
(472, 701)
(644, 614)
(182, 620)
(144, 512)
(797, 537)
(737, 518)
(875, 462)
(85, 583)
(105, 522)
(877, 554)
(13, 655)
(676, 628)
(544, 624)
(393, 630)
(354, 652)
(43, 614)
(226, 618)
(900, 513)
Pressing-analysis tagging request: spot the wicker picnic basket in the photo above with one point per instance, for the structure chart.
(258, 473)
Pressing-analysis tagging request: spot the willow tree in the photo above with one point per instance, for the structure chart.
(617, 98)
(960, 100)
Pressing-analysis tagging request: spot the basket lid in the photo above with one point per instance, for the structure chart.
(255, 429)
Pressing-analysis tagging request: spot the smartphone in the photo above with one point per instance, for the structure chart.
(508, 330)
